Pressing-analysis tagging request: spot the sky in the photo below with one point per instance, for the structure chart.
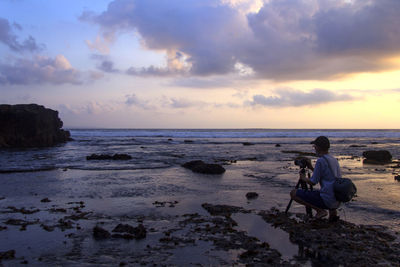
(323, 64)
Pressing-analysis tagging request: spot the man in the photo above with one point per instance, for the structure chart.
(323, 199)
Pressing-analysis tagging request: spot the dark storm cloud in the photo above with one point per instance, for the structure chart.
(10, 39)
(289, 97)
(285, 39)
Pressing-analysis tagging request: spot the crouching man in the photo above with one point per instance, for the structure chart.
(323, 199)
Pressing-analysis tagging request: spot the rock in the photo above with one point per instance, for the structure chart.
(121, 228)
(48, 228)
(109, 157)
(191, 164)
(278, 145)
(251, 195)
(377, 156)
(100, 233)
(30, 126)
(45, 200)
(357, 146)
(22, 210)
(248, 144)
(201, 167)
(7, 255)
(221, 210)
(138, 232)
(397, 178)
(300, 153)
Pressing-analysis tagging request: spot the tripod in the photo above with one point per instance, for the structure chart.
(304, 186)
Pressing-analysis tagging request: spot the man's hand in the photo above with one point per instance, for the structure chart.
(303, 177)
(309, 164)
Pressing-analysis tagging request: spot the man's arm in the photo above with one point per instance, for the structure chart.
(304, 178)
(309, 165)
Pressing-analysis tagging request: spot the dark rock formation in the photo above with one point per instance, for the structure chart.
(247, 144)
(357, 146)
(222, 210)
(100, 233)
(200, 167)
(251, 195)
(7, 255)
(30, 126)
(138, 232)
(377, 156)
(108, 157)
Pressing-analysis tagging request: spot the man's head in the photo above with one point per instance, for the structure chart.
(321, 143)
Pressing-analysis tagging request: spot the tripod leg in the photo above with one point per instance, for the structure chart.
(291, 200)
(304, 186)
(288, 206)
(309, 212)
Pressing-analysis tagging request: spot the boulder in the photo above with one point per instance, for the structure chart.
(247, 144)
(201, 167)
(138, 232)
(7, 255)
(109, 157)
(100, 233)
(377, 156)
(30, 126)
(251, 195)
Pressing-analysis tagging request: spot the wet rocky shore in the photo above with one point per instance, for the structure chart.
(169, 240)
(119, 200)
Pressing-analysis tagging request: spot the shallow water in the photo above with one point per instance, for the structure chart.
(129, 189)
(278, 239)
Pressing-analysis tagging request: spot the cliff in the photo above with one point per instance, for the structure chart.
(30, 126)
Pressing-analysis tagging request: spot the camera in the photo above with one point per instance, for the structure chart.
(301, 162)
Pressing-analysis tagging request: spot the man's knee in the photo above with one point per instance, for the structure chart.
(293, 193)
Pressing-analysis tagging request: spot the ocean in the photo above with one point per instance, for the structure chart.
(256, 160)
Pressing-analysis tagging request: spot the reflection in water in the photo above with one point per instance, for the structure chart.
(277, 239)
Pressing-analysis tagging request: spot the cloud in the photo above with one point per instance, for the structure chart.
(279, 39)
(185, 103)
(38, 70)
(92, 108)
(176, 65)
(288, 97)
(10, 39)
(99, 44)
(132, 100)
(105, 64)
